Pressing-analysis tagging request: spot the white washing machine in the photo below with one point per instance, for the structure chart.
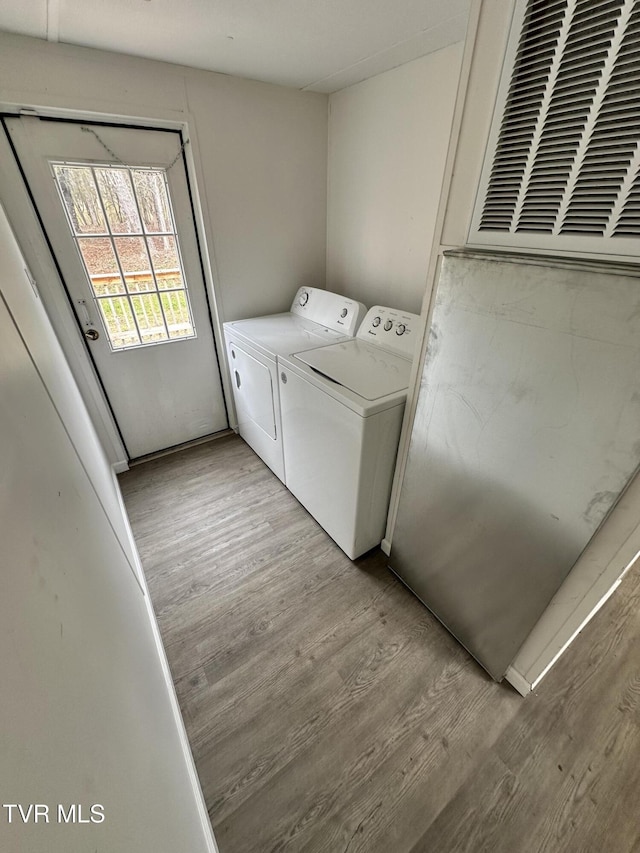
(317, 317)
(342, 408)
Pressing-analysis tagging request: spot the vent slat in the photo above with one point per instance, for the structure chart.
(528, 96)
(605, 139)
(580, 84)
(545, 25)
(583, 53)
(600, 14)
(586, 44)
(613, 124)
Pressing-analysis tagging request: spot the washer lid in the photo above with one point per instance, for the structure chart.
(366, 370)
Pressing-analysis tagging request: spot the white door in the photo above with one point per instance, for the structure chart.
(116, 207)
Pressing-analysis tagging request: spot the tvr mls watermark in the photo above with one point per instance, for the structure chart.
(42, 813)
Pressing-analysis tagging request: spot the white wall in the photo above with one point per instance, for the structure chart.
(88, 713)
(601, 565)
(261, 155)
(388, 140)
(258, 153)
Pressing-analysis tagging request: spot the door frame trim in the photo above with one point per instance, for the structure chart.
(69, 332)
(63, 283)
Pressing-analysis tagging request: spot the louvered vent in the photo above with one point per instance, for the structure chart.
(566, 155)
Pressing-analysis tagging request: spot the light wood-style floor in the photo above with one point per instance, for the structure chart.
(329, 711)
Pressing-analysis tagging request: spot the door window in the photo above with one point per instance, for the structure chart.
(123, 226)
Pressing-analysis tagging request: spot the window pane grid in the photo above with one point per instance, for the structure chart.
(144, 299)
(120, 339)
(124, 234)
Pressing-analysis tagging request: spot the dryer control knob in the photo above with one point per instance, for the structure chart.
(388, 325)
(401, 329)
(283, 376)
(303, 298)
(375, 322)
(344, 312)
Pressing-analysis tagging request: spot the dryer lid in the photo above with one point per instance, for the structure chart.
(282, 334)
(366, 370)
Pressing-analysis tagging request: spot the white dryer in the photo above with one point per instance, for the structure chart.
(342, 408)
(317, 317)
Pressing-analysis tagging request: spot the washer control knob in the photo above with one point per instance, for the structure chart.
(401, 329)
(344, 312)
(388, 325)
(375, 322)
(283, 377)
(303, 298)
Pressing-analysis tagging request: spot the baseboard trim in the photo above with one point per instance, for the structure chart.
(203, 813)
(385, 546)
(517, 680)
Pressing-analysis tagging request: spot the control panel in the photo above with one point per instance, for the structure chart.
(394, 330)
(329, 309)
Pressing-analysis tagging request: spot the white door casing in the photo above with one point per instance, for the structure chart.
(161, 394)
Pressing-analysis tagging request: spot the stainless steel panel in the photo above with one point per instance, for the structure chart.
(527, 429)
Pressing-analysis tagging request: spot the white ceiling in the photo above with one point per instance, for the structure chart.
(320, 45)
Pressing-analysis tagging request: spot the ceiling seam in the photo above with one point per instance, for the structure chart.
(454, 18)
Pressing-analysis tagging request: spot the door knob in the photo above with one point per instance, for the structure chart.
(92, 334)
